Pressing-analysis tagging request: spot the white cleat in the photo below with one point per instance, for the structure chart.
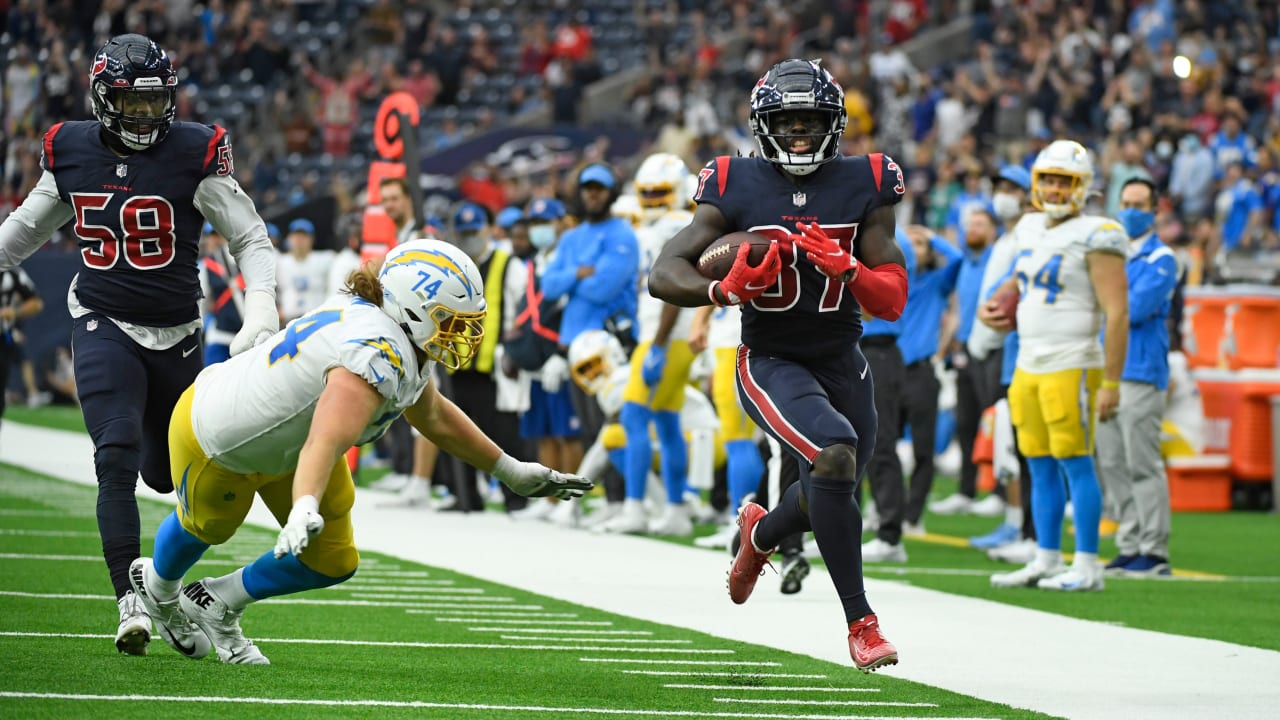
(600, 515)
(172, 624)
(989, 506)
(911, 529)
(956, 504)
(719, 539)
(566, 514)
(674, 522)
(1029, 575)
(537, 510)
(221, 624)
(870, 516)
(880, 551)
(1019, 552)
(391, 482)
(1076, 579)
(632, 520)
(133, 634)
(416, 493)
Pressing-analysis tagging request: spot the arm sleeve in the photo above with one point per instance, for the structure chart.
(881, 290)
(231, 212)
(33, 222)
(615, 266)
(1151, 287)
(1108, 237)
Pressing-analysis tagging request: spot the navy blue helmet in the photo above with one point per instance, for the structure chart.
(133, 88)
(798, 91)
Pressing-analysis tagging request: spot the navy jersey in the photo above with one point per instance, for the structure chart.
(805, 313)
(135, 217)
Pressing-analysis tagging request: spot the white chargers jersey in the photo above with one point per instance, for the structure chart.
(302, 284)
(652, 238)
(252, 413)
(726, 327)
(1059, 317)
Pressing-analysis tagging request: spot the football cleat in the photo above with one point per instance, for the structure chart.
(748, 563)
(1075, 579)
(878, 550)
(1119, 564)
(1029, 575)
(1147, 566)
(868, 647)
(721, 538)
(955, 504)
(221, 624)
(176, 629)
(675, 521)
(795, 568)
(133, 634)
(1015, 553)
(1003, 535)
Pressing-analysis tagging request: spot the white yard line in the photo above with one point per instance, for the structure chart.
(469, 610)
(431, 596)
(561, 638)
(734, 663)
(413, 589)
(995, 651)
(694, 686)
(88, 558)
(421, 704)
(601, 623)
(713, 673)
(849, 703)
(559, 631)
(49, 533)
(492, 613)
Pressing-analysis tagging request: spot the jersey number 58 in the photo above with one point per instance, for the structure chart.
(147, 238)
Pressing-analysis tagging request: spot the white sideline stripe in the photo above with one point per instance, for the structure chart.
(598, 639)
(375, 572)
(711, 673)
(360, 579)
(431, 596)
(91, 558)
(471, 610)
(451, 706)
(891, 571)
(15, 512)
(416, 589)
(492, 613)
(48, 533)
(401, 644)
(849, 703)
(735, 663)
(558, 630)
(687, 686)
(521, 622)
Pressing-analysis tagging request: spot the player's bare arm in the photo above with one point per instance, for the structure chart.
(342, 413)
(668, 321)
(1111, 286)
(700, 328)
(674, 276)
(441, 422)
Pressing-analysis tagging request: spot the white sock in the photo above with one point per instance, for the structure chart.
(1013, 515)
(160, 588)
(1048, 558)
(1087, 562)
(230, 590)
(755, 544)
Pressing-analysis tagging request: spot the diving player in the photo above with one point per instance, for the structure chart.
(801, 376)
(278, 420)
(138, 186)
(1069, 270)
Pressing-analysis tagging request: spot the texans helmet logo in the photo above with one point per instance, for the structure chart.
(99, 64)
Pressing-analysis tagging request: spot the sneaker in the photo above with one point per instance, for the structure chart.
(700, 512)
(748, 564)
(1119, 564)
(1076, 579)
(989, 506)
(536, 510)
(133, 634)
(1002, 535)
(176, 629)
(1029, 575)
(1148, 566)
(601, 515)
(868, 647)
(870, 517)
(878, 550)
(720, 538)
(39, 399)
(221, 624)
(632, 520)
(911, 529)
(795, 568)
(415, 493)
(566, 514)
(674, 522)
(951, 505)
(1020, 552)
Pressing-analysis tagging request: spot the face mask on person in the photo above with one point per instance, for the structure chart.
(1136, 222)
(542, 236)
(1007, 206)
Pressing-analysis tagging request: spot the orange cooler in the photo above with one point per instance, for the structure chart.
(1236, 326)
(1237, 418)
(1199, 484)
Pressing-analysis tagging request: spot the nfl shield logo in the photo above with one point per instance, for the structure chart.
(122, 170)
(799, 199)
(91, 325)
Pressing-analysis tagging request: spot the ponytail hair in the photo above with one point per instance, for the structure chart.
(363, 283)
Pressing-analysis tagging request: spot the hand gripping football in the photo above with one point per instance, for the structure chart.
(716, 261)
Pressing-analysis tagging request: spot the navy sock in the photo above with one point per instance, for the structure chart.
(837, 527)
(118, 523)
(785, 519)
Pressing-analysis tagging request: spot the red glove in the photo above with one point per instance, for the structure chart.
(825, 253)
(746, 282)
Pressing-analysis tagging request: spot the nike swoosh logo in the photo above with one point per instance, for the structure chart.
(189, 350)
(863, 375)
(173, 641)
(749, 286)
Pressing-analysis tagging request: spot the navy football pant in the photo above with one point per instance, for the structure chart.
(127, 393)
(809, 407)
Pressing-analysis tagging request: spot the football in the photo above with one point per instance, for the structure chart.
(716, 261)
(1007, 303)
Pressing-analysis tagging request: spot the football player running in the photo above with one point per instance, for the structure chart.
(660, 364)
(1069, 270)
(801, 376)
(277, 421)
(138, 186)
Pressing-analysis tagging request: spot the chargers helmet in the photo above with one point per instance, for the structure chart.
(659, 182)
(1062, 157)
(790, 86)
(133, 90)
(434, 291)
(593, 356)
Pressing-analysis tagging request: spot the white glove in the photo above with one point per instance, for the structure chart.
(534, 480)
(261, 321)
(304, 523)
(553, 373)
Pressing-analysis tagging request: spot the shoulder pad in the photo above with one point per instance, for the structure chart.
(1107, 236)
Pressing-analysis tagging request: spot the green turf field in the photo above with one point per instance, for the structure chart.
(399, 640)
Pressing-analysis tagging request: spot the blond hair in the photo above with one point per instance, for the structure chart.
(363, 283)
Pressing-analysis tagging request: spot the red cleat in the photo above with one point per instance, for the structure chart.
(868, 648)
(749, 564)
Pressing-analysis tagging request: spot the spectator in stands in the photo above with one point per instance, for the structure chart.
(1239, 210)
(1130, 466)
(302, 273)
(1191, 178)
(398, 205)
(339, 103)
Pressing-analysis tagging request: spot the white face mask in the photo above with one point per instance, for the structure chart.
(542, 236)
(1007, 206)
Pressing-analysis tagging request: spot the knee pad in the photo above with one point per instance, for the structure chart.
(838, 461)
(117, 463)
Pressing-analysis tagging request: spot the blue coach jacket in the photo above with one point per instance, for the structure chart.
(1153, 275)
